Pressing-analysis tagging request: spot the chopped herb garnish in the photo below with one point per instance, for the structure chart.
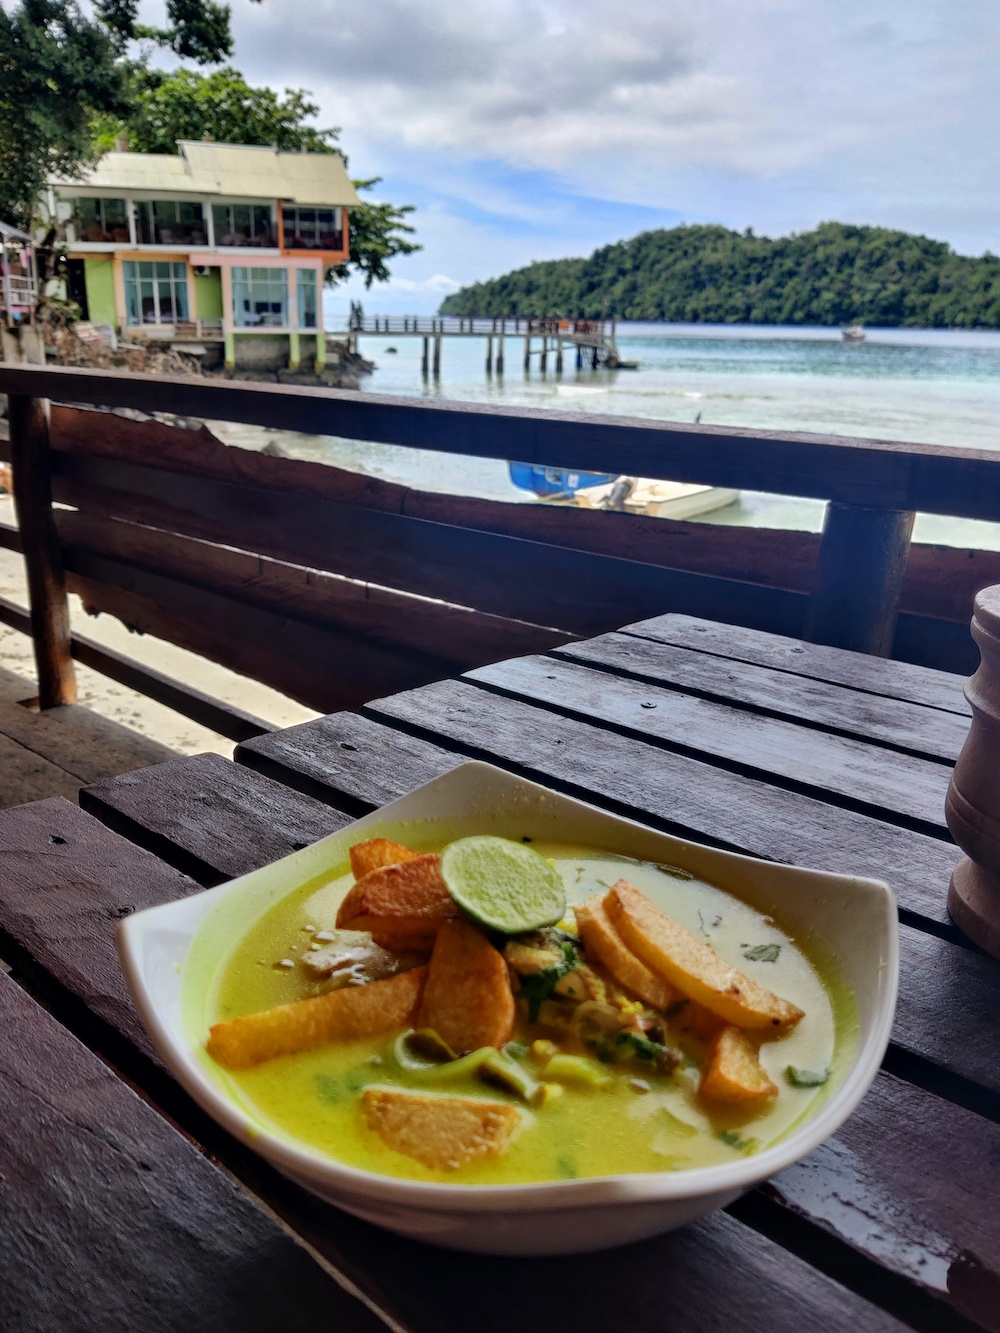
(763, 953)
(538, 988)
(676, 871)
(701, 923)
(566, 1168)
(639, 1045)
(741, 1145)
(517, 1050)
(806, 1078)
(333, 1090)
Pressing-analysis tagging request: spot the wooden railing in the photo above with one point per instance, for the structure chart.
(335, 587)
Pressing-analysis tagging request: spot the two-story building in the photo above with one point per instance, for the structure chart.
(220, 243)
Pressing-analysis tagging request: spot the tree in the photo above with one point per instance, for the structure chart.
(57, 68)
(60, 68)
(222, 106)
(834, 274)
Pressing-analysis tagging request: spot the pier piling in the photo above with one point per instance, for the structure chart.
(500, 354)
(527, 352)
(424, 356)
(559, 357)
(437, 355)
(489, 355)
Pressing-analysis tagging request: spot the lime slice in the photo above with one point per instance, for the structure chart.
(502, 884)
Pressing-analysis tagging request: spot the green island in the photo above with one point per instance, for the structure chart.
(834, 274)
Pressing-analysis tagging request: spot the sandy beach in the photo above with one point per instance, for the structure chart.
(124, 705)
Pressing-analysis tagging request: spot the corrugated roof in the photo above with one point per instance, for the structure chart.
(244, 171)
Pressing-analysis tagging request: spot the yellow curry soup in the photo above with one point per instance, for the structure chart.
(670, 1026)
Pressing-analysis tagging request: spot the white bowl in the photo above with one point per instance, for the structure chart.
(169, 953)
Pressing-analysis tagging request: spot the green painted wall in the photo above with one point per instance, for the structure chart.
(208, 295)
(100, 278)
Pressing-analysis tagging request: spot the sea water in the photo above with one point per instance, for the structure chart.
(925, 386)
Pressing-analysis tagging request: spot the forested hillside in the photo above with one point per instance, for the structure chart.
(835, 274)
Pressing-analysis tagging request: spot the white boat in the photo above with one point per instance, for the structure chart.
(854, 333)
(654, 499)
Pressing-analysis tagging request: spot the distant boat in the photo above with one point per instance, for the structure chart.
(854, 333)
(631, 495)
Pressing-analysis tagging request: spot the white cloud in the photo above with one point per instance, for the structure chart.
(770, 113)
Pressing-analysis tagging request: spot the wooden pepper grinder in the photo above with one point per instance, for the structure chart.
(973, 805)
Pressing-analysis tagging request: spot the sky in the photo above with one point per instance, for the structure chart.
(534, 129)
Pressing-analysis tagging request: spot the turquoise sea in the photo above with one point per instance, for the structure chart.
(900, 384)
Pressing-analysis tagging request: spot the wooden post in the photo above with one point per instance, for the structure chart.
(500, 354)
(579, 357)
(489, 355)
(859, 578)
(545, 355)
(424, 356)
(559, 361)
(50, 630)
(527, 352)
(437, 355)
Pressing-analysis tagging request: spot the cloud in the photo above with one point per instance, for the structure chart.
(506, 116)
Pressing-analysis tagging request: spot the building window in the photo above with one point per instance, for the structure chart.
(156, 293)
(170, 222)
(260, 297)
(244, 224)
(313, 228)
(306, 284)
(100, 219)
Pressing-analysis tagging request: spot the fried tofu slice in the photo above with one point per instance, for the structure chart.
(442, 1132)
(734, 1072)
(601, 940)
(339, 1015)
(467, 999)
(695, 969)
(376, 853)
(402, 905)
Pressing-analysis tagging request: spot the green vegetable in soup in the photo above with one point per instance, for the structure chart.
(540, 986)
(806, 1078)
(422, 1055)
(577, 1070)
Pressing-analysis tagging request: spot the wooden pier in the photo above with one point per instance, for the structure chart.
(588, 342)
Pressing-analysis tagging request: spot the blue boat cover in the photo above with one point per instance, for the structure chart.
(548, 481)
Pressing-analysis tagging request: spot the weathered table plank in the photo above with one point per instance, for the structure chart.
(676, 792)
(113, 1221)
(65, 885)
(875, 675)
(208, 816)
(930, 732)
(851, 772)
(435, 1291)
(348, 760)
(887, 1187)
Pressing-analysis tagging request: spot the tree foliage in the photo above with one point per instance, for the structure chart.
(222, 106)
(835, 274)
(68, 87)
(57, 67)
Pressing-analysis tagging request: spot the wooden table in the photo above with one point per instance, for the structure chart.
(123, 1207)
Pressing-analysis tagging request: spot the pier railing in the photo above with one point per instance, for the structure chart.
(336, 588)
(483, 325)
